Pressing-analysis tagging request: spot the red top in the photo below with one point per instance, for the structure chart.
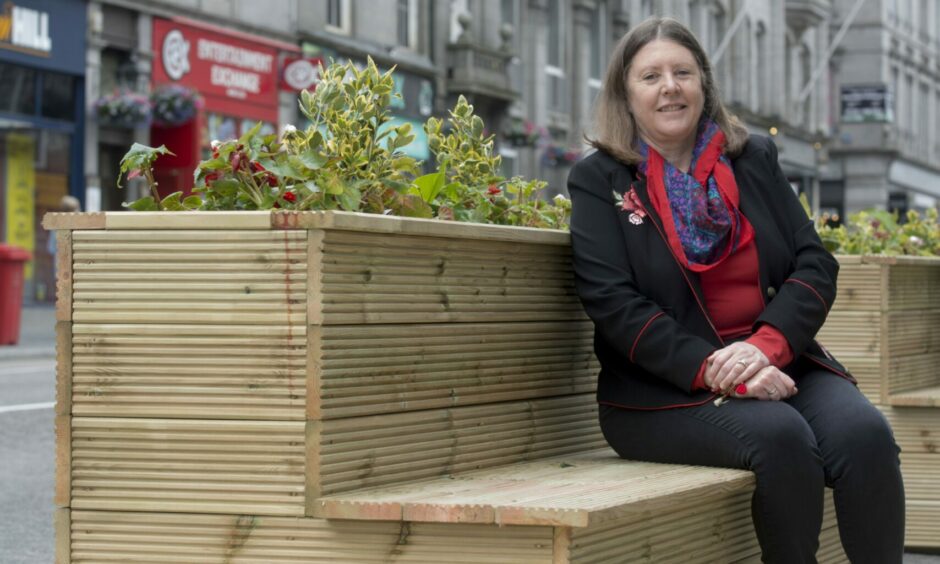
(733, 299)
(732, 292)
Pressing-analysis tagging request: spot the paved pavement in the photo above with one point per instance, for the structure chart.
(27, 443)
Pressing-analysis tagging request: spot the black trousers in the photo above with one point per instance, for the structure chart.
(828, 434)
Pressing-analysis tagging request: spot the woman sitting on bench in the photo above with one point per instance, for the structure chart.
(707, 283)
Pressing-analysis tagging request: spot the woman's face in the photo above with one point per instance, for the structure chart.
(664, 87)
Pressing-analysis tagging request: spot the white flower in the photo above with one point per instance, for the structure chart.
(215, 144)
(560, 198)
(289, 129)
(916, 241)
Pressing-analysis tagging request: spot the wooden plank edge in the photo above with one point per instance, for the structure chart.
(561, 545)
(63, 461)
(374, 223)
(62, 526)
(312, 431)
(80, 220)
(63, 279)
(200, 220)
(63, 369)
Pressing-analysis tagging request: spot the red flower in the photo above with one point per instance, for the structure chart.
(493, 190)
(290, 197)
(256, 166)
(212, 176)
(631, 203)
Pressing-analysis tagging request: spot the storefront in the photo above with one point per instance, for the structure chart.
(235, 73)
(42, 67)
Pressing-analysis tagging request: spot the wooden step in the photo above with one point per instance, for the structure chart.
(924, 397)
(718, 529)
(576, 490)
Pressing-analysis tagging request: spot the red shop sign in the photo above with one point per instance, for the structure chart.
(235, 75)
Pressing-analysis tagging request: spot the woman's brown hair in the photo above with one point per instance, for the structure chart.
(615, 130)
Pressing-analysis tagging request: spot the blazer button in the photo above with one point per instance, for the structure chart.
(771, 292)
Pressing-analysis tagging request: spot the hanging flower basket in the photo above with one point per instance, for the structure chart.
(174, 105)
(521, 133)
(123, 108)
(558, 156)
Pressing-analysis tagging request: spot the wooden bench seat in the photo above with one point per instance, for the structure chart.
(574, 491)
(924, 397)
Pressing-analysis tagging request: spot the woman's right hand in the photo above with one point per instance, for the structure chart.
(770, 383)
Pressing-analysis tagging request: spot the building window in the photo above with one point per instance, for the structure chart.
(763, 68)
(557, 99)
(408, 23)
(338, 16)
(17, 89)
(599, 35)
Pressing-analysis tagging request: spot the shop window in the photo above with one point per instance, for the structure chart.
(58, 96)
(17, 89)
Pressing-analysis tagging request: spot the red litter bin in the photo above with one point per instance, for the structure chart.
(11, 291)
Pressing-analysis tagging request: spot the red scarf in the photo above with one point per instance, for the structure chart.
(709, 168)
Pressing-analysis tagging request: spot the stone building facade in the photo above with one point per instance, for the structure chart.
(535, 66)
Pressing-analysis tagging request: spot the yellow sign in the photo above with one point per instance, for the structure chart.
(21, 186)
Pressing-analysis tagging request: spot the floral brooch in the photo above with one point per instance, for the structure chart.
(630, 202)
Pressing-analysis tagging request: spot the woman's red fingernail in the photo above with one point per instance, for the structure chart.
(740, 389)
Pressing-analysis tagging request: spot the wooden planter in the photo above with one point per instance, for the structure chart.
(249, 363)
(885, 327)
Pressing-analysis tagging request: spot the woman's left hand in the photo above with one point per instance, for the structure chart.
(732, 365)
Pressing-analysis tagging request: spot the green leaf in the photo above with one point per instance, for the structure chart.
(192, 202)
(141, 157)
(411, 205)
(225, 188)
(144, 204)
(310, 160)
(244, 139)
(334, 186)
(350, 198)
(429, 186)
(172, 202)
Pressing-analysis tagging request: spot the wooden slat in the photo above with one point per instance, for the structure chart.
(923, 397)
(909, 373)
(154, 277)
(363, 452)
(914, 287)
(922, 524)
(180, 371)
(250, 467)
(372, 278)
(718, 528)
(385, 224)
(369, 370)
(99, 536)
(573, 491)
(859, 287)
(189, 220)
(63, 461)
(62, 525)
(63, 276)
(63, 367)
(66, 221)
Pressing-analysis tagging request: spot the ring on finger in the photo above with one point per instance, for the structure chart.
(742, 363)
(771, 391)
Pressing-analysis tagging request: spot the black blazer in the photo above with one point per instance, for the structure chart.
(652, 331)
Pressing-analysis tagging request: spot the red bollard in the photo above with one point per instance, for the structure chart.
(12, 260)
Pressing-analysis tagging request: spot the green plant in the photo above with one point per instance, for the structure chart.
(139, 162)
(349, 159)
(467, 185)
(879, 232)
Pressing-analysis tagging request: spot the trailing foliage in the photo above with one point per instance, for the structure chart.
(878, 232)
(350, 158)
